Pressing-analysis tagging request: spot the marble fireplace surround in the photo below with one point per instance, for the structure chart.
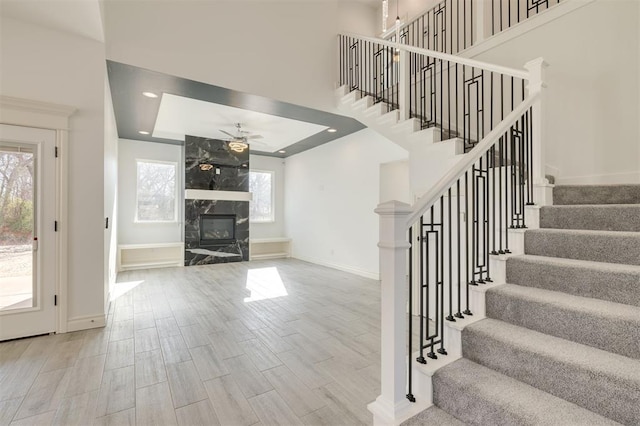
(216, 183)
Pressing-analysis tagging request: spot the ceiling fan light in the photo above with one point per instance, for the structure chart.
(238, 146)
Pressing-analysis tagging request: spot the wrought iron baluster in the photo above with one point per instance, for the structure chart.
(410, 396)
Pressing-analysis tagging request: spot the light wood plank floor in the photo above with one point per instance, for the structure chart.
(279, 342)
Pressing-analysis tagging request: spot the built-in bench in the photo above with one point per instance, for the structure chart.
(144, 256)
(269, 248)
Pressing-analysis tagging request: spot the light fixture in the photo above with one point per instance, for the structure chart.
(282, 151)
(332, 130)
(238, 145)
(206, 167)
(143, 132)
(150, 94)
(385, 14)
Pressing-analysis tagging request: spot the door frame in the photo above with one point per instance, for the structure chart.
(44, 115)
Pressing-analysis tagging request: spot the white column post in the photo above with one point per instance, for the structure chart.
(479, 24)
(392, 402)
(404, 86)
(536, 84)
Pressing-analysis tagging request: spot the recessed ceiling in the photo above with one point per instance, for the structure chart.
(199, 109)
(179, 116)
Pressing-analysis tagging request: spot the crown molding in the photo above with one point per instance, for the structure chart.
(26, 112)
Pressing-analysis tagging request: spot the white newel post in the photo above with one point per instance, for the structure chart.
(536, 84)
(392, 402)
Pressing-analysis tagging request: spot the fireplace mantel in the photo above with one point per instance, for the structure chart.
(205, 194)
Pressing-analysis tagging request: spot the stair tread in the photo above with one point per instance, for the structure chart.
(608, 217)
(578, 263)
(433, 416)
(590, 305)
(587, 232)
(523, 403)
(603, 382)
(596, 245)
(610, 326)
(551, 347)
(592, 206)
(615, 282)
(596, 194)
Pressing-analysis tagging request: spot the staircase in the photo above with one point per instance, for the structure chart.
(561, 341)
(432, 151)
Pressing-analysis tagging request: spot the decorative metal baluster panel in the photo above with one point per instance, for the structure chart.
(354, 66)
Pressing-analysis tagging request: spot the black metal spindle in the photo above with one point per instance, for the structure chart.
(466, 239)
(487, 202)
(440, 270)
(410, 396)
(458, 247)
(423, 283)
(449, 261)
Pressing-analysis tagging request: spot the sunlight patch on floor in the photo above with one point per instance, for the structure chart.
(120, 289)
(264, 283)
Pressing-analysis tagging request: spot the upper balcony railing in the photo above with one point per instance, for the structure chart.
(506, 13)
(460, 97)
(452, 26)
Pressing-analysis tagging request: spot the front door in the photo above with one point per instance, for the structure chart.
(28, 256)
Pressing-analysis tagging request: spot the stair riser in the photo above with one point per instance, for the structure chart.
(619, 287)
(622, 218)
(612, 397)
(598, 248)
(606, 332)
(477, 411)
(608, 194)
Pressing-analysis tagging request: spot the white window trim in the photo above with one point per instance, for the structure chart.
(273, 196)
(176, 194)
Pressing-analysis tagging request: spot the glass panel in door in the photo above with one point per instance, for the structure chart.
(17, 227)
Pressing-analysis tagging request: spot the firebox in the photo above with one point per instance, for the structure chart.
(217, 229)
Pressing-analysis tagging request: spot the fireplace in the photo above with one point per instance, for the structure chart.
(217, 229)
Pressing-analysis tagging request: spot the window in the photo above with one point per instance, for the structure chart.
(156, 191)
(261, 186)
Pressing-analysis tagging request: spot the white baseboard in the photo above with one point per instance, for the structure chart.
(603, 179)
(345, 268)
(85, 323)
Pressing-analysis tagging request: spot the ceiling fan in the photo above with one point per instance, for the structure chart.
(238, 142)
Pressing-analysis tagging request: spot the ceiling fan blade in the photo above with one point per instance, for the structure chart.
(227, 133)
(254, 136)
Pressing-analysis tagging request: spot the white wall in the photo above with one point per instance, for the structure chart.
(51, 66)
(110, 191)
(359, 18)
(406, 9)
(282, 50)
(276, 228)
(331, 192)
(130, 232)
(592, 100)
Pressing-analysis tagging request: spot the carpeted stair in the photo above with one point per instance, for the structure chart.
(561, 342)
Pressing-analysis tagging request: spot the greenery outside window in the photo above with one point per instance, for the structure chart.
(156, 191)
(261, 187)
